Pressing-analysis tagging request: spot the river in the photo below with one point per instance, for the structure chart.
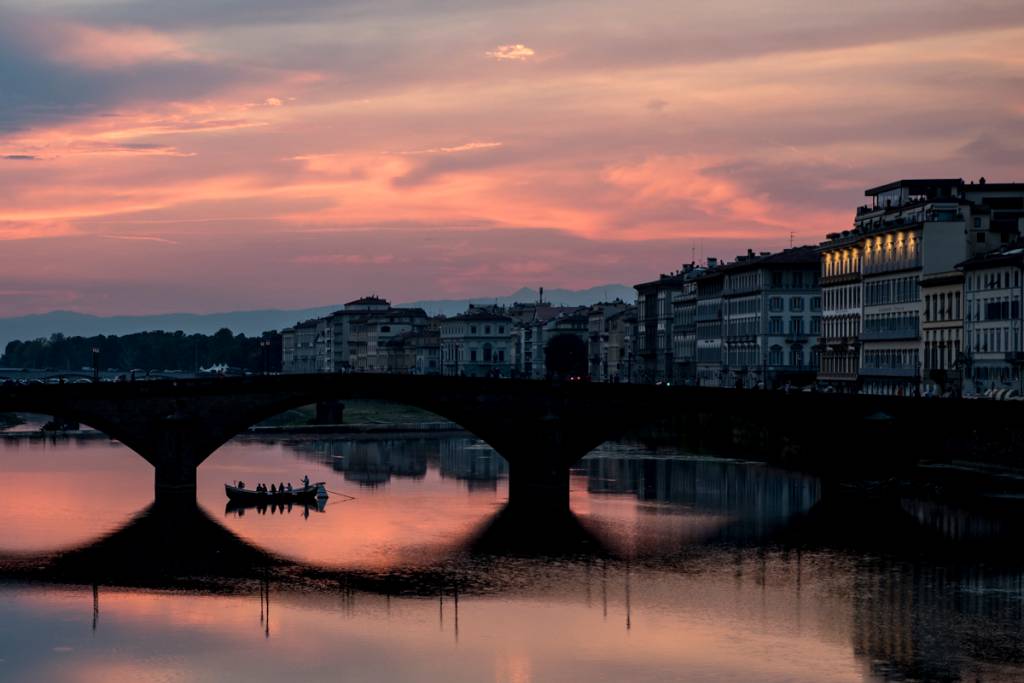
(671, 567)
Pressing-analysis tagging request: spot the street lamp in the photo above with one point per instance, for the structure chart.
(95, 364)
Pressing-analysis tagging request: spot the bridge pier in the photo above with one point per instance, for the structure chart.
(175, 448)
(175, 478)
(538, 484)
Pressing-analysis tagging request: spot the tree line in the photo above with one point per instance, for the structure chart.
(145, 351)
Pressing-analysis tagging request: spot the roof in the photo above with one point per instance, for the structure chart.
(795, 256)
(914, 185)
(391, 313)
(369, 301)
(480, 314)
(688, 273)
(994, 187)
(1006, 255)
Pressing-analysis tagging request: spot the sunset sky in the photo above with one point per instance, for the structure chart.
(203, 156)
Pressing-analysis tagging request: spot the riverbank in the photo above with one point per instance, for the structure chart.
(8, 420)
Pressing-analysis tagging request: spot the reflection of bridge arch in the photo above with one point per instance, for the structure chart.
(174, 543)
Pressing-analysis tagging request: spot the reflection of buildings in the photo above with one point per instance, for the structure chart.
(759, 492)
(928, 623)
(372, 463)
(473, 462)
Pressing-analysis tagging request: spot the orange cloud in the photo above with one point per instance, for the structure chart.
(517, 52)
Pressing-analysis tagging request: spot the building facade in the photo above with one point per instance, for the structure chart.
(684, 328)
(942, 328)
(621, 350)
(654, 327)
(478, 343)
(841, 307)
(299, 348)
(771, 318)
(994, 346)
(906, 244)
(597, 338)
(708, 324)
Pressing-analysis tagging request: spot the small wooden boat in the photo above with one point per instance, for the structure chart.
(302, 494)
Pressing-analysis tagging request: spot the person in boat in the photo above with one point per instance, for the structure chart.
(289, 487)
(280, 487)
(273, 489)
(241, 484)
(305, 481)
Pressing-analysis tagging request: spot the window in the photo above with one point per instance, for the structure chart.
(775, 303)
(815, 303)
(796, 303)
(775, 326)
(980, 237)
(776, 279)
(501, 329)
(385, 328)
(472, 329)
(798, 280)
(487, 329)
(977, 221)
(472, 354)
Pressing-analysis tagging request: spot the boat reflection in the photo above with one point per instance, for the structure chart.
(238, 508)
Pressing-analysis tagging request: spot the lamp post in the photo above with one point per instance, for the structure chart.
(95, 364)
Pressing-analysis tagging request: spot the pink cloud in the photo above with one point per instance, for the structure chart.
(517, 52)
(256, 147)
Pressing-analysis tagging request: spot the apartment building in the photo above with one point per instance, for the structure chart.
(771, 318)
(994, 346)
(478, 343)
(902, 254)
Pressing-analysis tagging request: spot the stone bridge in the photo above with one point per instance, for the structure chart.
(541, 428)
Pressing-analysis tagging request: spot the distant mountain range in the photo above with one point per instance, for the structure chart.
(251, 323)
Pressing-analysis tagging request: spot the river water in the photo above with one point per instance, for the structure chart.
(670, 568)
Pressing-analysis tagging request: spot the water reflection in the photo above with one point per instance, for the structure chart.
(722, 570)
(373, 462)
(239, 508)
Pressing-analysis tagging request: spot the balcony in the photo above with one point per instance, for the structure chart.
(799, 337)
(873, 266)
(870, 371)
(897, 332)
